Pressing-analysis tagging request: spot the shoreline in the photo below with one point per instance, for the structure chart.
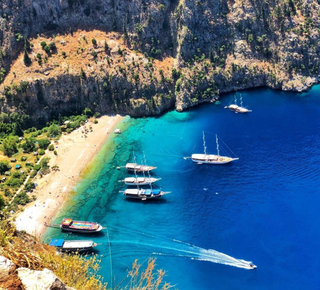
(75, 152)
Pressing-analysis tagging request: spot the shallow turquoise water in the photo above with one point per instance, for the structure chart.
(262, 208)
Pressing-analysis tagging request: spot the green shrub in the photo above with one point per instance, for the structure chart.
(4, 166)
(2, 202)
(51, 147)
(29, 186)
(37, 167)
(21, 199)
(14, 182)
(43, 143)
(33, 173)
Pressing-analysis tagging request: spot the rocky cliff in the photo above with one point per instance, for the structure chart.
(158, 54)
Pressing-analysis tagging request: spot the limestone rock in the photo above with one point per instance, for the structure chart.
(44, 280)
(6, 267)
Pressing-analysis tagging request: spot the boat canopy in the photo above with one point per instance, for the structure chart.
(130, 179)
(131, 165)
(66, 222)
(152, 191)
(57, 242)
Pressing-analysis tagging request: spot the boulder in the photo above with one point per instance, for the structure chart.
(45, 280)
(7, 267)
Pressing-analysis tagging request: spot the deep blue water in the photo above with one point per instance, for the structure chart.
(262, 208)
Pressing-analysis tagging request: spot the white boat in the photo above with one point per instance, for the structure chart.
(211, 158)
(236, 108)
(134, 167)
(139, 180)
(73, 245)
(144, 194)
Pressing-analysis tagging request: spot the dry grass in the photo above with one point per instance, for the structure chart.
(24, 251)
(78, 53)
(74, 270)
(145, 279)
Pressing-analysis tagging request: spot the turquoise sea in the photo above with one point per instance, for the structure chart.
(262, 208)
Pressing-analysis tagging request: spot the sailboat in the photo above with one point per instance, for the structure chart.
(236, 108)
(135, 167)
(210, 158)
(142, 193)
(139, 180)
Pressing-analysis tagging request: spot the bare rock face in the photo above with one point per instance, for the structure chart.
(7, 267)
(218, 47)
(45, 280)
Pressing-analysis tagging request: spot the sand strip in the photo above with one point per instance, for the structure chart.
(75, 151)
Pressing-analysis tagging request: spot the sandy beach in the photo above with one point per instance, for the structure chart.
(75, 151)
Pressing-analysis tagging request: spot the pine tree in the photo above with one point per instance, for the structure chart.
(211, 56)
(27, 46)
(26, 58)
(106, 47)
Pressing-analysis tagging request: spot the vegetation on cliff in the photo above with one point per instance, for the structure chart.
(79, 272)
(147, 56)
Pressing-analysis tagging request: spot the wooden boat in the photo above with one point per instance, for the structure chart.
(134, 167)
(82, 227)
(211, 158)
(73, 245)
(144, 194)
(139, 180)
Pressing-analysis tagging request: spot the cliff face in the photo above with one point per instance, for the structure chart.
(215, 47)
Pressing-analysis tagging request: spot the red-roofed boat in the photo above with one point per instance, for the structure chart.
(82, 227)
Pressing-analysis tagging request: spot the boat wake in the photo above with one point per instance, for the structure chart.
(176, 248)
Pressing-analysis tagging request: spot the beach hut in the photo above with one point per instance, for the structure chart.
(7, 173)
(18, 166)
(13, 160)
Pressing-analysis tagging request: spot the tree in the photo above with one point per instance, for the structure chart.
(26, 58)
(10, 146)
(2, 202)
(17, 130)
(94, 42)
(106, 47)
(82, 74)
(29, 145)
(87, 112)
(27, 45)
(4, 166)
(43, 143)
(54, 130)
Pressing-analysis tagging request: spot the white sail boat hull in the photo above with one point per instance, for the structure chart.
(140, 180)
(211, 159)
(238, 109)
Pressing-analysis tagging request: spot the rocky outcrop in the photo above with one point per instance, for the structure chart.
(6, 268)
(217, 47)
(45, 280)
(24, 278)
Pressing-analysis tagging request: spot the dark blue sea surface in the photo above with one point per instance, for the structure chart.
(262, 208)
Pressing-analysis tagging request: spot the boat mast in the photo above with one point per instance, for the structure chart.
(218, 153)
(135, 172)
(145, 161)
(204, 143)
